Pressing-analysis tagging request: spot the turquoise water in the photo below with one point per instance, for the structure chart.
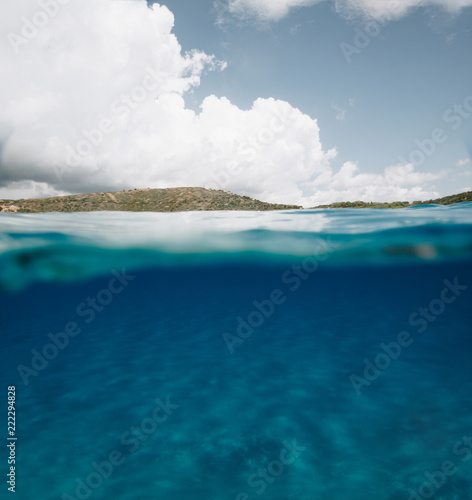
(294, 355)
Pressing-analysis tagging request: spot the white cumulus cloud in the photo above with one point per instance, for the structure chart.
(274, 10)
(396, 183)
(93, 99)
(266, 10)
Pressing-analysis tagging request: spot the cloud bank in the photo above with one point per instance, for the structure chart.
(93, 99)
(275, 10)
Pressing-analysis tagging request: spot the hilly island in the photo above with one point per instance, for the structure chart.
(182, 200)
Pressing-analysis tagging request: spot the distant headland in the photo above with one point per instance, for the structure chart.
(143, 200)
(183, 200)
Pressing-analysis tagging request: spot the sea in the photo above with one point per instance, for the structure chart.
(284, 355)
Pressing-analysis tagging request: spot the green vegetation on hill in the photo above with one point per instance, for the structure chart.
(447, 200)
(363, 204)
(142, 200)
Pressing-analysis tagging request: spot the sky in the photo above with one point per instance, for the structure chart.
(287, 101)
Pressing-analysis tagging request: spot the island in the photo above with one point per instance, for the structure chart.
(184, 200)
(143, 200)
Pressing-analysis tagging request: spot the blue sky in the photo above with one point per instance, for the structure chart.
(374, 107)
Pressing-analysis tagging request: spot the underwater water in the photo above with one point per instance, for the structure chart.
(294, 355)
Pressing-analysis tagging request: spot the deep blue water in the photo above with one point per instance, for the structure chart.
(285, 356)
